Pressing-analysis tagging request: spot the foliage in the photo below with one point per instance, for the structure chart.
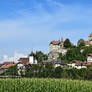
(81, 43)
(88, 74)
(49, 71)
(62, 57)
(67, 43)
(41, 56)
(74, 54)
(12, 71)
(58, 72)
(86, 51)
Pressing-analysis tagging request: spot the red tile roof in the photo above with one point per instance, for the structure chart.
(90, 54)
(86, 42)
(77, 61)
(7, 66)
(6, 63)
(80, 63)
(90, 35)
(24, 61)
(55, 42)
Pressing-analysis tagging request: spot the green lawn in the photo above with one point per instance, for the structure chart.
(44, 85)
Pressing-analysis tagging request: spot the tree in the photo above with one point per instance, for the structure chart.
(81, 43)
(58, 72)
(86, 51)
(67, 43)
(41, 56)
(75, 54)
(35, 70)
(61, 57)
(28, 72)
(13, 71)
(88, 75)
(49, 70)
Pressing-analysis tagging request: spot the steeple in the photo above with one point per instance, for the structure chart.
(32, 54)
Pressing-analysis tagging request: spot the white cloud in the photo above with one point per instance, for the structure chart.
(15, 58)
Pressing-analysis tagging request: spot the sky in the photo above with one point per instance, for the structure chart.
(30, 25)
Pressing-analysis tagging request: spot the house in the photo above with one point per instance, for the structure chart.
(23, 63)
(7, 65)
(89, 42)
(86, 43)
(59, 63)
(56, 63)
(89, 58)
(78, 64)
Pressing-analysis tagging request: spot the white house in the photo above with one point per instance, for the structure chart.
(78, 64)
(89, 58)
(26, 62)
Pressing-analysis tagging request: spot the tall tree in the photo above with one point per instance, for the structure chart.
(41, 56)
(67, 43)
(81, 43)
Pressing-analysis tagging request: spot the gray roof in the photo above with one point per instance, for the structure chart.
(56, 62)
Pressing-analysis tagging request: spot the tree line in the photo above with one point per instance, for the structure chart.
(49, 71)
(79, 52)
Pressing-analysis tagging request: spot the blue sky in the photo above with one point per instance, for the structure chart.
(27, 25)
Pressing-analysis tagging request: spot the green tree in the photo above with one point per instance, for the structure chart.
(81, 43)
(28, 72)
(86, 51)
(58, 72)
(62, 57)
(35, 70)
(75, 54)
(88, 75)
(49, 70)
(12, 71)
(67, 43)
(41, 56)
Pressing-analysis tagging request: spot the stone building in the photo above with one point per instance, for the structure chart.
(89, 42)
(56, 47)
(90, 39)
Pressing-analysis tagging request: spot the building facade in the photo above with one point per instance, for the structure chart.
(56, 47)
(89, 42)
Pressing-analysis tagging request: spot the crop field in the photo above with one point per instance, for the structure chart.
(44, 85)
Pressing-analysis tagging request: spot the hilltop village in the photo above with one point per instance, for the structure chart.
(63, 53)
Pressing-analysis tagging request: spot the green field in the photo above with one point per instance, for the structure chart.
(44, 85)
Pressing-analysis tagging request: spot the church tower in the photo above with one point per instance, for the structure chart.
(32, 58)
